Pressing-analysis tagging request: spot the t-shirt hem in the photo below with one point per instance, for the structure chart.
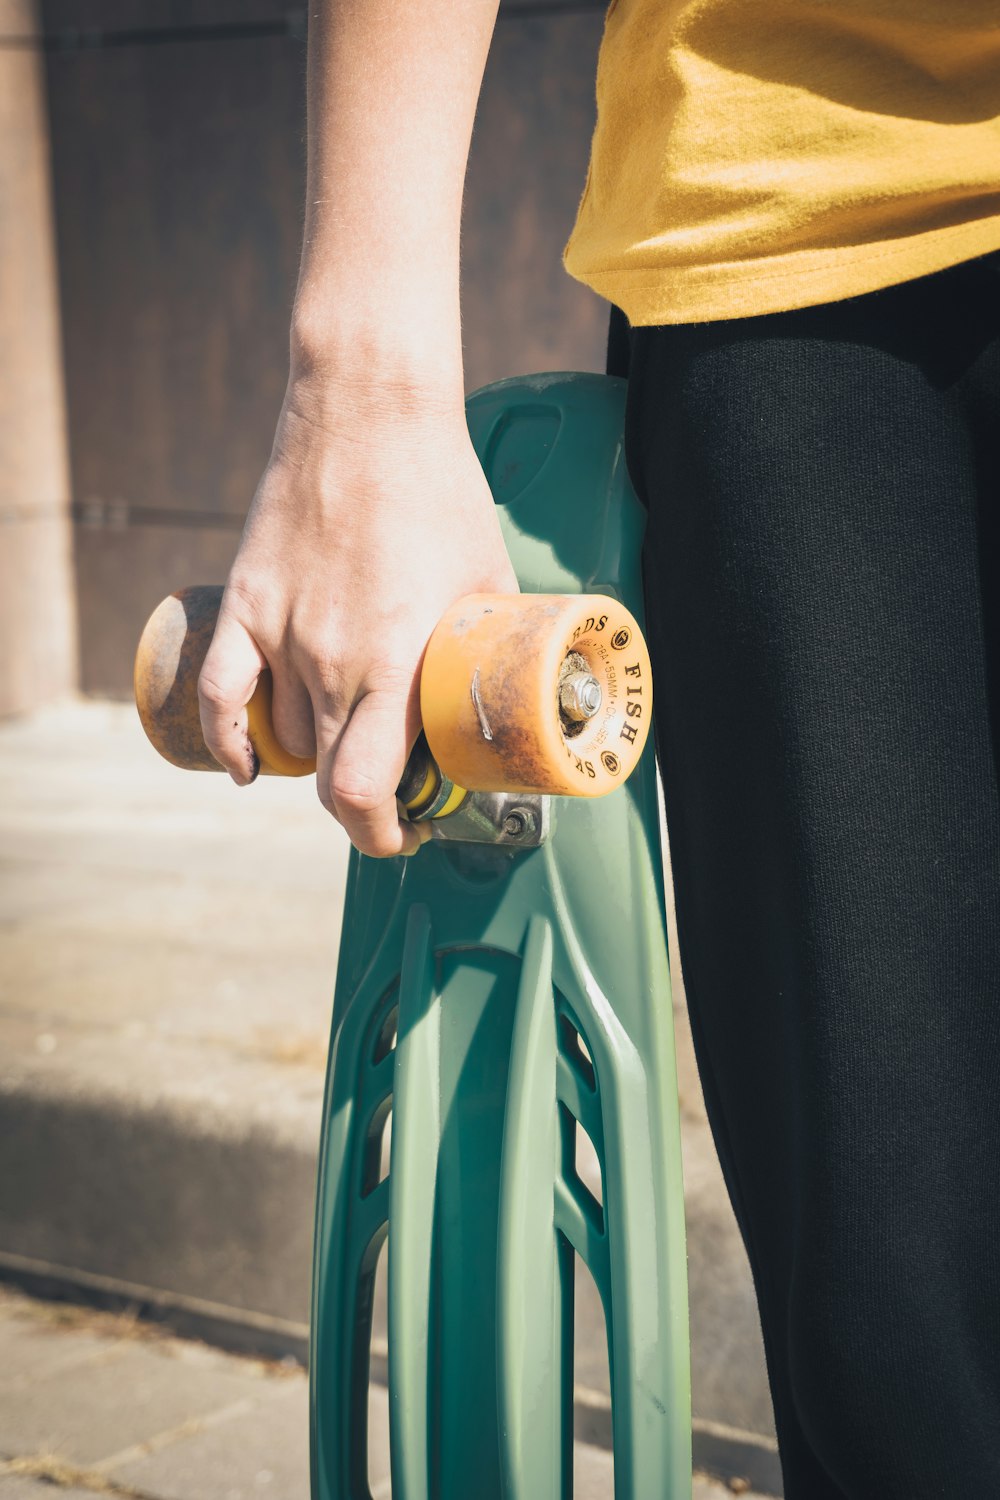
(745, 289)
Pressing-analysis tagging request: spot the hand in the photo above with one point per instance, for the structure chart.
(372, 517)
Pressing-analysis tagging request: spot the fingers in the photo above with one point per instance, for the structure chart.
(225, 686)
(360, 762)
(292, 711)
(358, 775)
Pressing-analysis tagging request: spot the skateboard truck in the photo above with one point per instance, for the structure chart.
(523, 697)
(520, 821)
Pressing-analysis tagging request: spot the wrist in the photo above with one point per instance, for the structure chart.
(399, 344)
(351, 399)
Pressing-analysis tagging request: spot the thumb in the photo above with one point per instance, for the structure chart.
(225, 686)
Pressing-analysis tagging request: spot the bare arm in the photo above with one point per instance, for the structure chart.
(393, 87)
(373, 514)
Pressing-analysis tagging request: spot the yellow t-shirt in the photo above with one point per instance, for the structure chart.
(753, 157)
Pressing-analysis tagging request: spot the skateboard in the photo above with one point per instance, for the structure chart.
(502, 990)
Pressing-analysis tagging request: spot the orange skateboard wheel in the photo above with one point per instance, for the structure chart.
(168, 661)
(541, 693)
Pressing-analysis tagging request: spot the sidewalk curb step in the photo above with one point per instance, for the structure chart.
(722, 1452)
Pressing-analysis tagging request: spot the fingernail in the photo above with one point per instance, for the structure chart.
(249, 776)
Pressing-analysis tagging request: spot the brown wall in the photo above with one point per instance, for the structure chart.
(178, 167)
(37, 614)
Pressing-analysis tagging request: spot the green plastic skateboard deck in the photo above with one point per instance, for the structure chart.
(497, 1001)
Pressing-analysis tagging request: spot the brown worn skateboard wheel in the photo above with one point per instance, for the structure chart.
(171, 650)
(543, 693)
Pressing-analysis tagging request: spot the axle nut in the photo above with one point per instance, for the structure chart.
(518, 822)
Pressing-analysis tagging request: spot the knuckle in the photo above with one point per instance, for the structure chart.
(247, 593)
(388, 681)
(327, 669)
(355, 790)
(212, 694)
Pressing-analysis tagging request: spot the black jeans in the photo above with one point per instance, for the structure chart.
(823, 596)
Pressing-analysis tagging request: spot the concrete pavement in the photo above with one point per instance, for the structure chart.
(93, 1404)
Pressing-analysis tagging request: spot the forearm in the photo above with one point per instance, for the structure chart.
(393, 87)
(373, 514)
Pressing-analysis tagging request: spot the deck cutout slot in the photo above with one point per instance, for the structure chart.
(582, 1168)
(377, 1147)
(519, 447)
(385, 1037)
(367, 1363)
(575, 1049)
(377, 1429)
(592, 1384)
(588, 1168)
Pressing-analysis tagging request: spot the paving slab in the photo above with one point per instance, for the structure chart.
(182, 1422)
(167, 955)
(125, 1398)
(258, 1450)
(29, 1355)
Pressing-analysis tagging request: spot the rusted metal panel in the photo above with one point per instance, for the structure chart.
(179, 178)
(526, 173)
(179, 181)
(122, 576)
(89, 19)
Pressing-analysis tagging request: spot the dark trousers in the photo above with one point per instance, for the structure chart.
(823, 596)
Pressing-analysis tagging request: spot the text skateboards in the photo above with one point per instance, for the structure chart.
(496, 1001)
(498, 992)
